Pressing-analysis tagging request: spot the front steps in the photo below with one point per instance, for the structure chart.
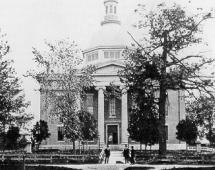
(116, 157)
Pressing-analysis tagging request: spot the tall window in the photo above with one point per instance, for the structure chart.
(112, 107)
(90, 103)
(114, 9)
(60, 133)
(111, 8)
(106, 9)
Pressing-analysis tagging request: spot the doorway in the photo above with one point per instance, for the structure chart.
(112, 134)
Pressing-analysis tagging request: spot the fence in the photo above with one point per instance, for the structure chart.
(203, 149)
(48, 158)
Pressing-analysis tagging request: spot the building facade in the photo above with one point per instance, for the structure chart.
(112, 114)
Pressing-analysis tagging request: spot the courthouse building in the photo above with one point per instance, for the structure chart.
(112, 114)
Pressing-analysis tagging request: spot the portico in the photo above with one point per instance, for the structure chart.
(112, 127)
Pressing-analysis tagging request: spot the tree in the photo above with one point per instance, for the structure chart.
(23, 142)
(12, 136)
(12, 103)
(143, 129)
(63, 79)
(202, 112)
(187, 131)
(169, 32)
(88, 126)
(40, 131)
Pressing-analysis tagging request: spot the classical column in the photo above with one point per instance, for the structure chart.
(101, 114)
(124, 116)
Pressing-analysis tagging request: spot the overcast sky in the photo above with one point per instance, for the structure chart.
(28, 23)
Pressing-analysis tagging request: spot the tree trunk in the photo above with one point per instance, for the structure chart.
(162, 100)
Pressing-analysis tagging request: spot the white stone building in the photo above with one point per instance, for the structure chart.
(112, 115)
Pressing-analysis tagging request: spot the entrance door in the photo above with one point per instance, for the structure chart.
(112, 134)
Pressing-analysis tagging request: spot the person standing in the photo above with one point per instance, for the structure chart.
(107, 154)
(132, 155)
(126, 154)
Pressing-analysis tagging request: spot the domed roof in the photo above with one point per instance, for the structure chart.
(110, 34)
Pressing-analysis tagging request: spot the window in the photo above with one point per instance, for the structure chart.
(89, 58)
(117, 54)
(60, 133)
(106, 54)
(114, 9)
(106, 9)
(111, 8)
(112, 107)
(90, 103)
(92, 57)
(112, 54)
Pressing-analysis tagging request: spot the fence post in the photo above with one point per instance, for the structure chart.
(23, 161)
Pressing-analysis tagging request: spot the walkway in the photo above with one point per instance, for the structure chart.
(116, 157)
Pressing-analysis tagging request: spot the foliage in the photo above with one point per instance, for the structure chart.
(23, 142)
(12, 104)
(12, 136)
(142, 128)
(88, 126)
(63, 79)
(187, 131)
(202, 111)
(169, 31)
(40, 131)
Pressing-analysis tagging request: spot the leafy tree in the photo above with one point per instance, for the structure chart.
(23, 142)
(143, 129)
(169, 32)
(12, 136)
(88, 126)
(63, 79)
(40, 131)
(202, 112)
(187, 131)
(12, 103)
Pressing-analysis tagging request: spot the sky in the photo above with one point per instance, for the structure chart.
(28, 23)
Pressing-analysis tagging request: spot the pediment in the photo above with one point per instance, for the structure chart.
(108, 68)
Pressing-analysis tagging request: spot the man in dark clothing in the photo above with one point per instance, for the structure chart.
(126, 154)
(132, 155)
(107, 154)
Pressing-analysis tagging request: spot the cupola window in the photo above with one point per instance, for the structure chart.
(92, 57)
(112, 54)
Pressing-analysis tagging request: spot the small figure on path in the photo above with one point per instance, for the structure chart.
(107, 154)
(126, 154)
(132, 155)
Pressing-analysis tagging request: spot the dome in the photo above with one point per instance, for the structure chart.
(110, 35)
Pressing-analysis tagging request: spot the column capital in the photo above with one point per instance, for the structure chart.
(100, 87)
(124, 89)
